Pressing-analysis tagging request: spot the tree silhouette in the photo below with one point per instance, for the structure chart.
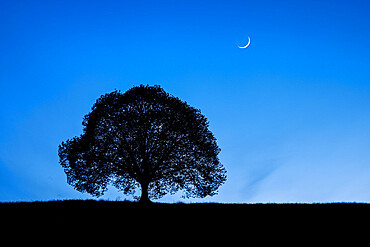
(143, 137)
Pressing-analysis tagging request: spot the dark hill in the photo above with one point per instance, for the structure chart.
(250, 212)
(101, 204)
(255, 224)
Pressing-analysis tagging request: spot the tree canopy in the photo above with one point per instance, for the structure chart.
(144, 137)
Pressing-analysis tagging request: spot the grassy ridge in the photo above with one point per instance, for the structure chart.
(130, 204)
(257, 215)
(227, 206)
(251, 216)
(250, 224)
(104, 203)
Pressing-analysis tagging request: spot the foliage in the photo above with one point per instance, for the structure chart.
(143, 137)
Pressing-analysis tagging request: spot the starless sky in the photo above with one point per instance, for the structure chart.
(291, 113)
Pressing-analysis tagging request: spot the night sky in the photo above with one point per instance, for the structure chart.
(291, 113)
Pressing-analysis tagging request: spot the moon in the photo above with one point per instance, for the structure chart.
(243, 47)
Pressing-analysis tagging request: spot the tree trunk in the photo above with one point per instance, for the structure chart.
(144, 193)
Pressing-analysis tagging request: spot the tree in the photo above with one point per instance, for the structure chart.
(143, 137)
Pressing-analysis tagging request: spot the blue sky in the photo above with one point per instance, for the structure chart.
(291, 112)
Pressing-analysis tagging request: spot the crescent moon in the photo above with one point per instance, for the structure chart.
(243, 47)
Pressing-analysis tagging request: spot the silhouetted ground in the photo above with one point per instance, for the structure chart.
(201, 223)
(270, 212)
(101, 204)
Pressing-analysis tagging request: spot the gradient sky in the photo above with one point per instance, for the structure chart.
(291, 113)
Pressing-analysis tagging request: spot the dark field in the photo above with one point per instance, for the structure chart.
(202, 223)
(270, 212)
(101, 204)
(289, 210)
